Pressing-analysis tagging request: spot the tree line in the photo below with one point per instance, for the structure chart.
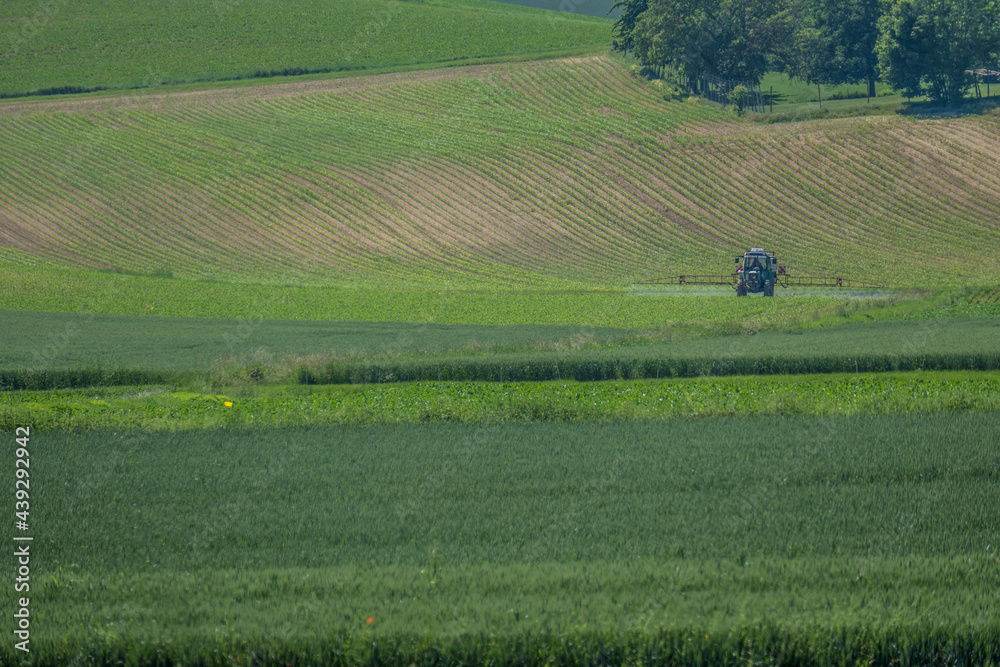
(918, 47)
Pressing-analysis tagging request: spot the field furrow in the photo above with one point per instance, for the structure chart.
(539, 170)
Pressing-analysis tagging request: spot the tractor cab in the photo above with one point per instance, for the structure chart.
(757, 272)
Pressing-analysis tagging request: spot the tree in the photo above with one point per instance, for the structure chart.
(836, 41)
(733, 39)
(738, 98)
(663, 32)
(625, 25)
(753, 34)
(926, 45)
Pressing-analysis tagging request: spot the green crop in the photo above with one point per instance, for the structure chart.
(65, 341)
(160, 408)
(864, 537)
(562, 174)
(61, 350)
(70, 47)
(75, 291)
(957, 344)
(205, 256)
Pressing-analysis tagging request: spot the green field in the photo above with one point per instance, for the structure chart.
(353, 368)
(252, 405)
(72, 47)
(51, 350)
(69, 340)
(430, 180)
(27, 288)
(842, 539)
(788, 90)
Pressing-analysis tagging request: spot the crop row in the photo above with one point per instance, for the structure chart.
(986, 296)
(516, 174)
(370, 501)
(578, 367)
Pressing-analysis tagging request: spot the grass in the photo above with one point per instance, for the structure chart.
(65, 48)
(262, 406)
(795, 96)
(845, 538)
(800, 113)
(793, 91)
(60, 290)
(432, 180)
(878, 106)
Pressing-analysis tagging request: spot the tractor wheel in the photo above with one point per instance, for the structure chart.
(768, 288)
(741, 288)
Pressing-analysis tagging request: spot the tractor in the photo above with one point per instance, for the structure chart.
(758, 272)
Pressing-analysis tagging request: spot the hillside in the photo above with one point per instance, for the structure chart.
(352, 371)
(73, 47)
(567, 170)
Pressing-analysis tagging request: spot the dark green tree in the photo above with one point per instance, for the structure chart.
(733, 39)
(754, 35)
(836, 42)
(926, 45)
(624, 27)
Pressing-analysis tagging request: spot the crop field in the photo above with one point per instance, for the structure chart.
(844, 539)
(72, 340)
(261, 406)
(72, 47)
(432, 180)
(350, 369)
(26, 288)
(46, 350)
(877, 347)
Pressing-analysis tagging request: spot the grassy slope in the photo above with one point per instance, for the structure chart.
(557, 172)
(100, 44)
(823, 532)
